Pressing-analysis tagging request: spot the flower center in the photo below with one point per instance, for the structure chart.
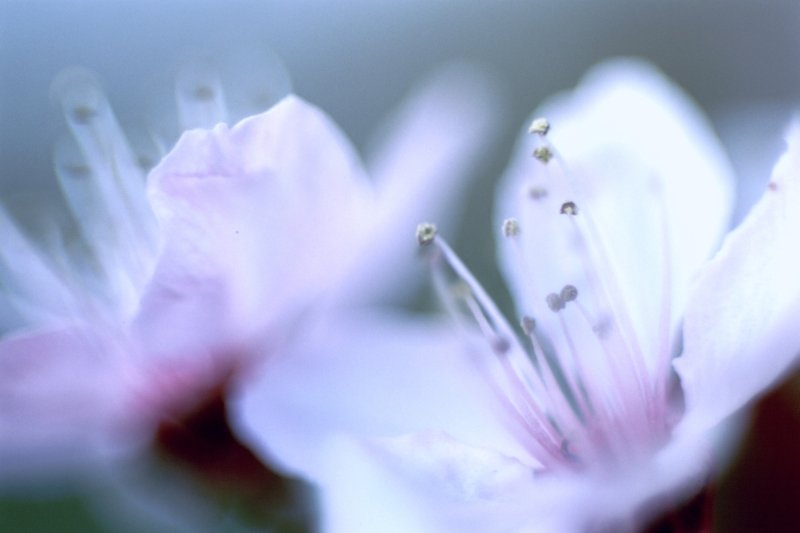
(580, 390)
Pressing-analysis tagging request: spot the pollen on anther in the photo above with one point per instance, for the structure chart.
(569, 293)
(144, 162)
(569, 208)
(555, 302)
(602, 328)
(426, 232)
(203, 93)
(537, 193)
(543, 154)
(78, 170)
(511, 227)
(500, 345)
(539, 126)
(83, 114)
(528, 324)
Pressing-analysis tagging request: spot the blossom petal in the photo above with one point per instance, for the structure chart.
(429, 148)
(258, 219)
(443, 484)
(653, 196)
(427, 481)
(60, 393)
(336, 377)
(740, 331)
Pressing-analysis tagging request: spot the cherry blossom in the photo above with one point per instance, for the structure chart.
(609, 218)
(188, 282)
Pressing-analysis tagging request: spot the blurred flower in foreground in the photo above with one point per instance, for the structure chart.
(610, 220)
(250, 234)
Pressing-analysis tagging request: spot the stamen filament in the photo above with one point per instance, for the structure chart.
(605, 289)
(519, 393)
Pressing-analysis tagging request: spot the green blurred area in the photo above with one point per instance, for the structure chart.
(63, 513)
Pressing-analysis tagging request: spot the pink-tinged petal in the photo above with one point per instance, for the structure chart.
(428, 151)
(740, 330)
(631, 497)
(61, 394)
(432, 482)
(258, 219)
(373, 375)
(448, 485)
(652, 190)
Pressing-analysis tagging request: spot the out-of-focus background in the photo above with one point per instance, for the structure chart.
(739, 59)
(356, 59)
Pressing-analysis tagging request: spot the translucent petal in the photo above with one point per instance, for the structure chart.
(62, 393)
(259, 219)
(740, 330)
(343, 364)
(653, 196)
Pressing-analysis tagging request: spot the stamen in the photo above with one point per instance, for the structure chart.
(617, 372)
(528, 324)
(543, 154)
(500, 345)
(515, 390)
(29, 281)
(110, 206)
(624, 337)
(426, 233)
(569, 293)
(144, 162)
(77, 170)
(555, 302)
(577, 377)
(511, 227)
(537, 193)
(495, 325)
(602, 327)
(203, 92)
(558, 390)
(539, 126)
(200, 98)
(569, 208)
(83, 114)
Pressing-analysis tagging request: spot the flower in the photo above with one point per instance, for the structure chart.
(247, 233)
(576, 421)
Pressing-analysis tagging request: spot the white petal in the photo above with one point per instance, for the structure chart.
(370, 374)
(652, 189)
(258, 219)
(434, 483)
(740, 331)
(62, 393)
(429, 149)
(446, 485)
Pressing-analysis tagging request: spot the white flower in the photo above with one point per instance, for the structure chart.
(248, 234)
(574, 421)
